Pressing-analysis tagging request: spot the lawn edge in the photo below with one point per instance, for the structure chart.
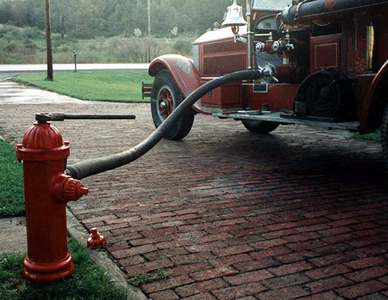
(27, 83)
(79, 233)
(14, 214)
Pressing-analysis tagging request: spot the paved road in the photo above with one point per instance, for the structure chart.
(231, 215)
(70, 67)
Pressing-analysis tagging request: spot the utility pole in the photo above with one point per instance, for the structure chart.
(149, 29)
(149, 17)
(50, 72)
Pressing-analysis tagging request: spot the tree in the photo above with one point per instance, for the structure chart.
(91, 18)
(5, 12)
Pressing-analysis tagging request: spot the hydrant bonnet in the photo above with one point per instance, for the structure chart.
(42, 142)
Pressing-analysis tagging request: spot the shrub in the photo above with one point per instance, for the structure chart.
(183, 46)
(12, 47)
(32, 33)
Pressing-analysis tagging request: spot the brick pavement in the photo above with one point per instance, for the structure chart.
(231, 215)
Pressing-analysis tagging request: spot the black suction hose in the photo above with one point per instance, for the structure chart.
(99, 165)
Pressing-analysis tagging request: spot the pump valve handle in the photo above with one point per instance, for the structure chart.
(46, 117)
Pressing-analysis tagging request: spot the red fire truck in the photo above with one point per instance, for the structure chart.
(328, 58)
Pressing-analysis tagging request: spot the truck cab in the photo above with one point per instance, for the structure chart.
(328, 61)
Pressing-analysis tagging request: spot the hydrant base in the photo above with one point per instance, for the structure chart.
(48, 272)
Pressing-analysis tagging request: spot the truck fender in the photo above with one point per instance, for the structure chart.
(181, 69)
(375, 101)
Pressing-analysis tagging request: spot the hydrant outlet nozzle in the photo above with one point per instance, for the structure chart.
(68, 189)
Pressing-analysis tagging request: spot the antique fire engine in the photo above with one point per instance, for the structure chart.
(327, 60)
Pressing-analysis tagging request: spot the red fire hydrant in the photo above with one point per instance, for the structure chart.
(47, 190)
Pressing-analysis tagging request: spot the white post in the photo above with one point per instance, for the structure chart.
(249, 33)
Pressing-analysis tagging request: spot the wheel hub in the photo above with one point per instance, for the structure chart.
(166, 102)
(163, 104)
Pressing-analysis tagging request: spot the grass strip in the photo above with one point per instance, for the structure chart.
(11, 183)
(375, 136)
(110, 86)
(149, 277)
(89, 281)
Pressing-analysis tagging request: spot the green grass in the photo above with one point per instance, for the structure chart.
(11, 183)
(149, 277)
(88, 282)
(114, 86)
(375, 136)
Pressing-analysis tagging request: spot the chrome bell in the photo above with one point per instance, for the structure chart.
(234, 16)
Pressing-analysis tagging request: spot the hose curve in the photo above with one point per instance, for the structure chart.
(99, 165)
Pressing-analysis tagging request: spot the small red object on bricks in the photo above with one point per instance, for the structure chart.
(96, 240)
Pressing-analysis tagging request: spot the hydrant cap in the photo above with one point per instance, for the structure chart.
(42, 136)
(42, 142)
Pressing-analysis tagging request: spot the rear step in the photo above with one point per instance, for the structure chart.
(288, 120)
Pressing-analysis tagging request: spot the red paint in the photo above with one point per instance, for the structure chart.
(325, 52)
(222, 57)
(47, 190)
(280, 97)
(227, 96)
(181, 68)
(96, 240)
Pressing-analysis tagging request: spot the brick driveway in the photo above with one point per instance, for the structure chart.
(231, 215)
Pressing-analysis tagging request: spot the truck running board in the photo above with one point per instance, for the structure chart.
(278, 118)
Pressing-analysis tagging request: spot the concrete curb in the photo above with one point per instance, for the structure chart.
(80, 234)
(13, 235)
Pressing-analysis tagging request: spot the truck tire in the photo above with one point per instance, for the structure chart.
(165, 97)
(262, 127)
(384, 137)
